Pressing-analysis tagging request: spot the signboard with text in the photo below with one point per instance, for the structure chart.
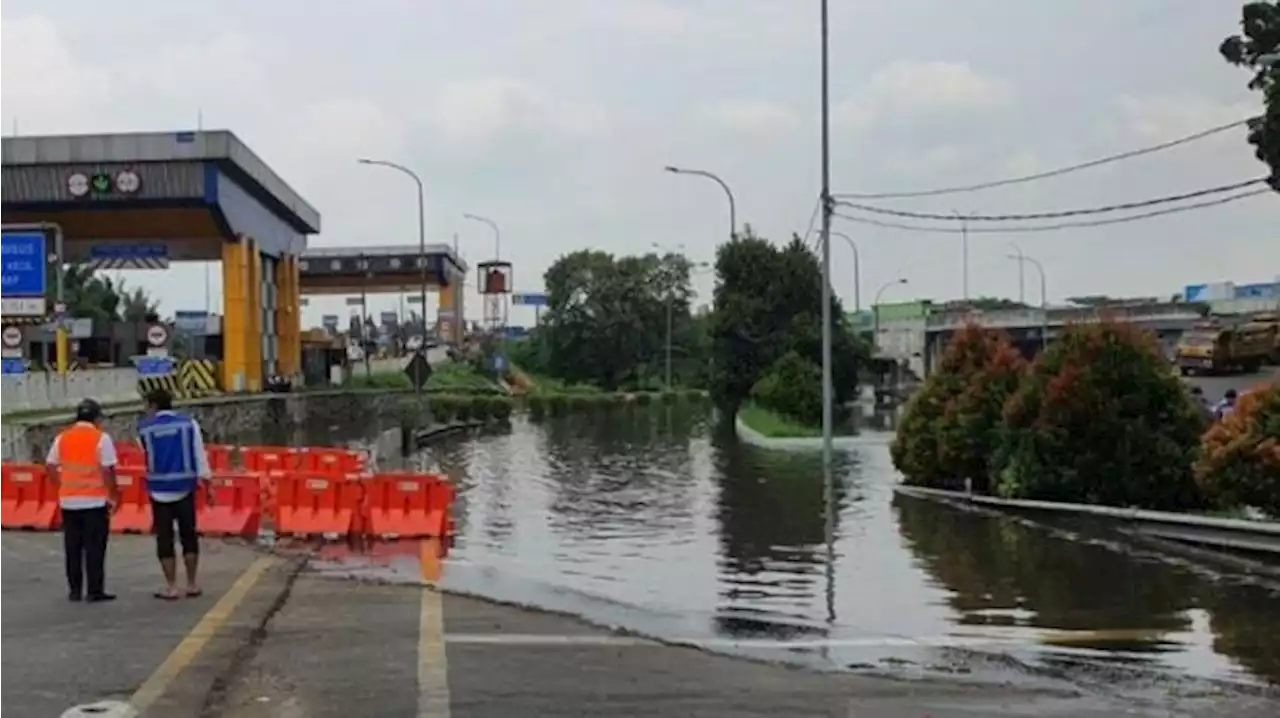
(529, 299)
(23, 285)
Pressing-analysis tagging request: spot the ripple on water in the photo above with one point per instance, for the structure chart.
(657, 522)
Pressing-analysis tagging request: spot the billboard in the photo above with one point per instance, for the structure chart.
(23, 284)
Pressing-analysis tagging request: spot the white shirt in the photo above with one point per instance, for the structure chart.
(202, 465)
(106, 458)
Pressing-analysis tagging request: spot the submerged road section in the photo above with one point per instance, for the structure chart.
(273, 637)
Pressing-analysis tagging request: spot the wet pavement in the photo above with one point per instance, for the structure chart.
(657, 525)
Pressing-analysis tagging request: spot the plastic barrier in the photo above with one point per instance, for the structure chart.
(133, 515)
(27, 499)
(236, 509)
(333, 462)
(311, 504)
(219, 456)
(130, 453)
(266, 459)
(408, 506)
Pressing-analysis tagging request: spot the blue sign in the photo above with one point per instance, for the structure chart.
(499, 363)
(190, 321)
(153, 366)
(13, 366)
(1264, 290)
(529, 300)
(128, 251)
(516, 332)
(24, 260)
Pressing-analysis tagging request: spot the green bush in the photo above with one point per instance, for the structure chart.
(669, 396)
(792, 387)
(951, 428)
(382, 380)
(1240, 455)
(617, 399)
(500, 408)
(1101, 420)
(463, 407)
(580, 403)
(536, 404)
(481, 408)
(557, 404)
(643, 398)
(443, 407)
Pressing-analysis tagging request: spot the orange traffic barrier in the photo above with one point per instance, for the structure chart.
(311, 504)
(129, 453)
(408, 506)
(236, 509)
(269, 458)
(219, 456)
(133, 515)
(333, 461)
(27, 499)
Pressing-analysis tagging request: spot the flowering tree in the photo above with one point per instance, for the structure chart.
(951, 427)
(1240, 456)
(1100, 419)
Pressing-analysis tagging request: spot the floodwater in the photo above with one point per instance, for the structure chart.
(657, 522)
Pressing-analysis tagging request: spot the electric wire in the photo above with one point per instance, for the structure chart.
(1050, 173)
(1125, 206)
(1061, 225)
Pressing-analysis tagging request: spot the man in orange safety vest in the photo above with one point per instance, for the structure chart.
(82, 464)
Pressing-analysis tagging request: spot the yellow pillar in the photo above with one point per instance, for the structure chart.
(448, 300)
(289, 316)
(62, 350)
(253, 342)
(235, 313)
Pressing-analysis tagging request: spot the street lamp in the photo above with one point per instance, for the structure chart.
(422, 241)
(1022, 285)
(964, 249)
(671, 299)
(733, 212)
(497, 233)
(857, 269)
(875, 312)
(1044, 300)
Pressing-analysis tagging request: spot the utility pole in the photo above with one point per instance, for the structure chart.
(828, 388)
(1022, 272)
(671, 300)
(964, 249)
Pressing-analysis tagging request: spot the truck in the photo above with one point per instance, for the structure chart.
(1214, 348)
(1271, 319)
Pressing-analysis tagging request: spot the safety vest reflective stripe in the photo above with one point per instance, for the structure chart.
(80, 473)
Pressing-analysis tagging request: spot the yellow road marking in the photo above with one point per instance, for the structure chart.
(155, 686)
(433, 664)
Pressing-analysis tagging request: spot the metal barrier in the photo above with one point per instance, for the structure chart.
(44, 391)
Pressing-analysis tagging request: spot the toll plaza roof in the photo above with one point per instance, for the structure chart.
(190, 184)
(342, 270)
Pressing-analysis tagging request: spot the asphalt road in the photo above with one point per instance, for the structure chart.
(1215, 386)
(273, 638)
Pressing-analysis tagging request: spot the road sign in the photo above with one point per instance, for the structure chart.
(529, 299)
(355, 301)
(414, 299)
(25, 264)
(418, 370)
(157, 335)
(12, 337)
(9, 365)
(100, 183)
(153, 366)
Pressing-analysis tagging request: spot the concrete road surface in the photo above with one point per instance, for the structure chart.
(1215, 386)
(274, 639)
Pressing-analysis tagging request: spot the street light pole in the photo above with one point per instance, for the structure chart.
(1022, 284)
(857, 269)
(671, 299)
(497, 233)
(422, 243)
(733, 212)
(875, 312)
(964, 248)
(1044, 297)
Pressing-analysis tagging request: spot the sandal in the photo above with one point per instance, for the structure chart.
(194, 592)
(166, 595)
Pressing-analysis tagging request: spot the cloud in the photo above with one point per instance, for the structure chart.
(44, 85)
(906, 90)
(1160, 118)
(478, 111)
(747, 116)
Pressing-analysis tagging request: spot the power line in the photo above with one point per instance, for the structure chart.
(1051, 173)
(1061, 225)
(1139, 204)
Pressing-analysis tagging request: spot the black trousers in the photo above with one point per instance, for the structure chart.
(84, 536)
(181, 513)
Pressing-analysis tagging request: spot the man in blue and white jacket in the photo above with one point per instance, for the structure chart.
(177, 467)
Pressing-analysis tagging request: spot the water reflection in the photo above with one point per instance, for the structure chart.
(657, 521)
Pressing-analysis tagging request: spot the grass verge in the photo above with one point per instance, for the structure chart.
(775, 426)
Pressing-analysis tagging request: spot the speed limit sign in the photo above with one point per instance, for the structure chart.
(12, 337)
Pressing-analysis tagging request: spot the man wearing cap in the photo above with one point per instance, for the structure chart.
(177, 467)
(82, 464)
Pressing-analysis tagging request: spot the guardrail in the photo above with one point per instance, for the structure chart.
(41, 391)
(1233, 534)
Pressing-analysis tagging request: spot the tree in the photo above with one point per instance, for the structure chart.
(606, 319)
(768, 302)
(1240, 458)
(951, 428)
(1260, 36)
(1101, 420)
(99, 298)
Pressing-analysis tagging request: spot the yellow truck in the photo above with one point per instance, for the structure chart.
(1211, 348)
(1271, 319)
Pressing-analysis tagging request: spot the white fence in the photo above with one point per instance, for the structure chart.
(41, 391)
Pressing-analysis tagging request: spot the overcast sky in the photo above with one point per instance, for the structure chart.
(555, 118)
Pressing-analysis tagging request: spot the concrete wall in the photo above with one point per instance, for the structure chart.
(903, 340)
(39, 391)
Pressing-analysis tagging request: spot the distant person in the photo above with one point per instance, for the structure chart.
(1202, 403)
(177, 467)
(82, 464)
(1226, 406)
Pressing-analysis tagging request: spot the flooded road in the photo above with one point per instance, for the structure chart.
(656, 522)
